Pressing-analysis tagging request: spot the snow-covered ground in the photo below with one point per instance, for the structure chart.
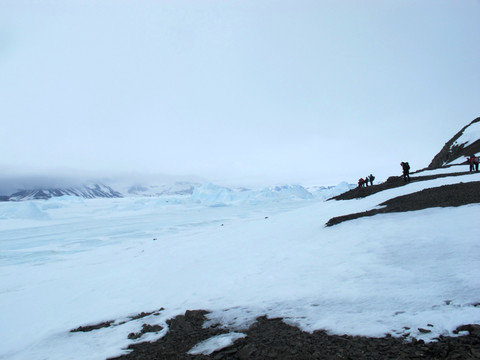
(68, 262)
(459, 168)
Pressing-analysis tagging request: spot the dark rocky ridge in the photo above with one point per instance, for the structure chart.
(392, 182)
(443, 196)
(450, 152)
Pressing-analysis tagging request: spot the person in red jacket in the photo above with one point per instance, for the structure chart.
(473, 162)
(470, 162)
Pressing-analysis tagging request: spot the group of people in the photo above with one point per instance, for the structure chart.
(473, 162)
(365, 181)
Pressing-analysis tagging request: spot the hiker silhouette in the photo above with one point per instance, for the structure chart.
(473, 162)
(371, 178)
(406, 171)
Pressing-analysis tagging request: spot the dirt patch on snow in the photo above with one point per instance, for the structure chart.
(273, 339)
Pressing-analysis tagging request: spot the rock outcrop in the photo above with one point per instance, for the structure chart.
(455, 149)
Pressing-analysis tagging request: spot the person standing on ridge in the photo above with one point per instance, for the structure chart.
(366, 181)
(406, 171)
(371, 178)
(470, 162)
(473, 162)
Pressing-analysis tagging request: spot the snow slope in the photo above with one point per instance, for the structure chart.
(68, 262)
(469, 136)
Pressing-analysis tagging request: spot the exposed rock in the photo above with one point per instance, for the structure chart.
(392, 182)
(451, 152)
(89, 328)
(443, 196)
(146, 328)
(274, 339)
(145, 314)
(184, 332)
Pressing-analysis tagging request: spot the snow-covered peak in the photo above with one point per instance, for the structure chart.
(89, 191)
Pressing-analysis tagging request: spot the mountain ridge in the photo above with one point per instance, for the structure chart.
(83, 191)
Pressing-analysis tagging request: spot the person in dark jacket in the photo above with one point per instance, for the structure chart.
(406, 171)
(371, 178)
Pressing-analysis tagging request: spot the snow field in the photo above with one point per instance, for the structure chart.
(470, 135)
(85, 262)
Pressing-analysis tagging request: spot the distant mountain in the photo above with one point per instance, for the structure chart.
(84, 191)
(465, 143)
(193, 190)
(183, 191)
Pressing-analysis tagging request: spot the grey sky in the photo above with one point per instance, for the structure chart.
(235, 91)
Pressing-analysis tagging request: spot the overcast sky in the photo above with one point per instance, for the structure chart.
(235, 91)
